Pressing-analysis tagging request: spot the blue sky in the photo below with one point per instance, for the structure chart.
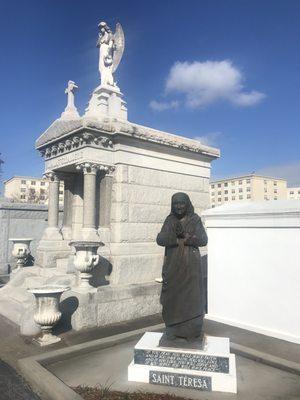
(227, 72)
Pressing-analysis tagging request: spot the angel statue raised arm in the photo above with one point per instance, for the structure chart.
(111, 48)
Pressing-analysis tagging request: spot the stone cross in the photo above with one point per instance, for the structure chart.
(70, 111)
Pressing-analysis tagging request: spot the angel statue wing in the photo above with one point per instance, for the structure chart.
(119, 40)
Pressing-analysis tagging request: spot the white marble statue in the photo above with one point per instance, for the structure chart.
(71, 110)
(111, 47)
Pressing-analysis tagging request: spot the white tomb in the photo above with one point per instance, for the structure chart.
(119, 178)
(253, 263)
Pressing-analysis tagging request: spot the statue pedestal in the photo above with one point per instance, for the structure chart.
(107, 101)
(210, 369)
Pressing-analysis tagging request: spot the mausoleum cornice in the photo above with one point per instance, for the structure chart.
(65, 135)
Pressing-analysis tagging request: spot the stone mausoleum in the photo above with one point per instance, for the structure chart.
(119, 178)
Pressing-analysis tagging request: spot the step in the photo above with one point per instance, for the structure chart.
(33, 282)
(11, 309)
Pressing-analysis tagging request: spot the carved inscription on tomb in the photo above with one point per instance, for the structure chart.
(171, 359)
(64, 160)
(180, 380)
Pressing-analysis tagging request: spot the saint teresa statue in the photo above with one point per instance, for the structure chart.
(182, 295)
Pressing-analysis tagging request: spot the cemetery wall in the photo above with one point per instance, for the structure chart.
(19, 220)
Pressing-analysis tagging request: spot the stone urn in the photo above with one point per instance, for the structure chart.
(85, 259)
(47, 312)
(20, 251)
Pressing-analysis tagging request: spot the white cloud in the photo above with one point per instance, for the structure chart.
(210, 139)
(162, 106)
(290, 172)
(203, 83)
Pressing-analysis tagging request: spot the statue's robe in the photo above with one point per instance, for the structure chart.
(183, 294)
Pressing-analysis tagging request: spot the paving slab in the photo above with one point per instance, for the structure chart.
(267, 344)
(14, 347)
(108, 366)
(13, 386)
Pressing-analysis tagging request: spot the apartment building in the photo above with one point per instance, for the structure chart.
(247, 188)
(293, 193)
(27, 189)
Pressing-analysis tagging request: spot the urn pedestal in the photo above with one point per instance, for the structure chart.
(85, 259)
(47, 312)
(20, 251)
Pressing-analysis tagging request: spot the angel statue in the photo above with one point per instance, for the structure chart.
(111, 47)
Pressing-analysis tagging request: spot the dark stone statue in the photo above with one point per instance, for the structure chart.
(183, 295)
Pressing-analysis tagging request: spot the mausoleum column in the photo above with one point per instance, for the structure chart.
(90, 170)
(52, 231)
(68, 205)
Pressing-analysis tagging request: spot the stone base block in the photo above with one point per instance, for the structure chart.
(98, 306)
(210, 369)
(84, 289)
(112, 304)
(49, 251)
(89, 234)
(52, 233)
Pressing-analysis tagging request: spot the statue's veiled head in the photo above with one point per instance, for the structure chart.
(103, 27)
(181, 205)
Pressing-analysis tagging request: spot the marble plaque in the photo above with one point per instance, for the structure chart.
(180, 380)
(198, 362)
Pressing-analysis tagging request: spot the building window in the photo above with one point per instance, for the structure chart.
(248, 189)
(213, 200)
(265, 182)
(275, 183)
(219, 184)
(266, 197)
(292, 192)
(42, 197)
(232, 190)
(232, 183)
(42, 191)
(240, 190)
(61, 192)
(240, 182)
(298, 191)
(266, 190)
(23, 190)
(212, 186)
(219, 192)
(275, 198)
(226, 184)
(226, 198)
(23, 182)
(225, 191)
(213, 193)
(22, 197)
(42, 183)
(275, 190)
(32, 182)
(219, 199)
(233, 198)
(248, 196)
(248, 181)
(240, 197)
